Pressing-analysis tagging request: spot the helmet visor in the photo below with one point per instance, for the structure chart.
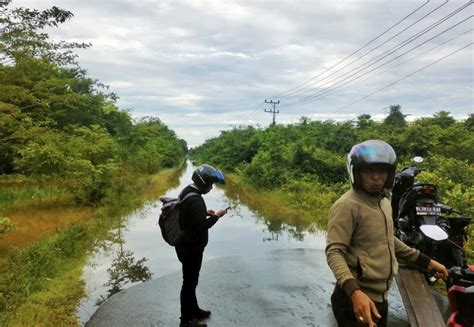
(218, 176)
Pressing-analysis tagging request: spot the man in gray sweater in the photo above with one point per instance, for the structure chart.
(362, 250)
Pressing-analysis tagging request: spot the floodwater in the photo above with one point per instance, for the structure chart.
(34, 223)
(139, 253)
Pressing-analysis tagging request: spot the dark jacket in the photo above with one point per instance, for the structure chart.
(193, 219)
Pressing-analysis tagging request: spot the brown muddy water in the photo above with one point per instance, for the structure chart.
(32, 224)
(138, 252)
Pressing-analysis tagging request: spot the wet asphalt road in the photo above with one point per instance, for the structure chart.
(290, 287)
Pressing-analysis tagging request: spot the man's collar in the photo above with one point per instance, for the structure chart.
(371, 197)
(195, 187)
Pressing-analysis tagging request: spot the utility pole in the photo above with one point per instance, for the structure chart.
(273, 111)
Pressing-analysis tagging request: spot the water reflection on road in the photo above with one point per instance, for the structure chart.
(138, 251)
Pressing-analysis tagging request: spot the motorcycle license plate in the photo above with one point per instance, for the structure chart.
(428, 211)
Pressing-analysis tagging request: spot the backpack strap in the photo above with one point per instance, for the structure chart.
(190, 194)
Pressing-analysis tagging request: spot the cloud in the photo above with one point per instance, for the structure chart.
(120, 84)
(183, 100)
(202, 64)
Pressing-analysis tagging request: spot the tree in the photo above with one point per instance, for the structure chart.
(395, 118)
(442, 119)
(9, 120)
(151, 146)
(469, 122)
(44, 152)
(57, 121)
(417, 140)
(304, 120)
(364, 121)
(67, 96)
(21, 36)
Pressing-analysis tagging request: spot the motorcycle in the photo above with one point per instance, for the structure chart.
(424, 223)
(460, 285)
(438, 231)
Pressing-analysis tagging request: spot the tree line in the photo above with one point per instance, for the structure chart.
(57, 121)
(311, 155)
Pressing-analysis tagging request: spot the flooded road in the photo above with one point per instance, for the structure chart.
(139, 253)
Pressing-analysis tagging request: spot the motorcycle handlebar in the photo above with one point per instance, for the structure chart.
(466, 270)
(445, 208)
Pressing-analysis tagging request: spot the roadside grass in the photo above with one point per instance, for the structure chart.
(41, 284)
(56, 305)
(37, 283)
(20, 192)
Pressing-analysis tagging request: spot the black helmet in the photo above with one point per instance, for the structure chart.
(205, 175)
(371, 152)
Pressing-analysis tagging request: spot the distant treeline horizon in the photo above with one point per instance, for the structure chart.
(314, 152)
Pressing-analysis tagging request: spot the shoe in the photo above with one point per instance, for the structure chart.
(202, 314)
(192, 323)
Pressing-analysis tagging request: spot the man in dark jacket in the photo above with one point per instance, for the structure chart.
(195, 220)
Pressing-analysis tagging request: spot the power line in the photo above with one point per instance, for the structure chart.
(370, 51)
(301, 87)
(406, 76)
(403, 62)
(385, 54)
(328, 91)
(282, 95)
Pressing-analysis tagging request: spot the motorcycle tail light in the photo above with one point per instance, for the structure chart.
(429, 190)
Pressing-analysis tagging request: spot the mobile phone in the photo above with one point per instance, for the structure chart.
(227, 208)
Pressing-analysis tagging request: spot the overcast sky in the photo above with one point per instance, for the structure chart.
(204, 66)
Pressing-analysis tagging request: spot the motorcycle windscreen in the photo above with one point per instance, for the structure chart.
(434, 232)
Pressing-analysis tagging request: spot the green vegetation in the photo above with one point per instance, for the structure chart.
(56, 121)
(17, 191)
(64, 141)
(5, 226)
(42, 284)
(305, 163)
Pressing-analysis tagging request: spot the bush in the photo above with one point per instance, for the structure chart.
(5, 226)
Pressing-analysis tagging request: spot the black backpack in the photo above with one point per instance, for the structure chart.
(169, 219)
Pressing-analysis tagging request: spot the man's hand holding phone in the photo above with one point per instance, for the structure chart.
(222, 212)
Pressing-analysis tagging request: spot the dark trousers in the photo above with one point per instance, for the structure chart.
(191, 260)
(344, 312)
